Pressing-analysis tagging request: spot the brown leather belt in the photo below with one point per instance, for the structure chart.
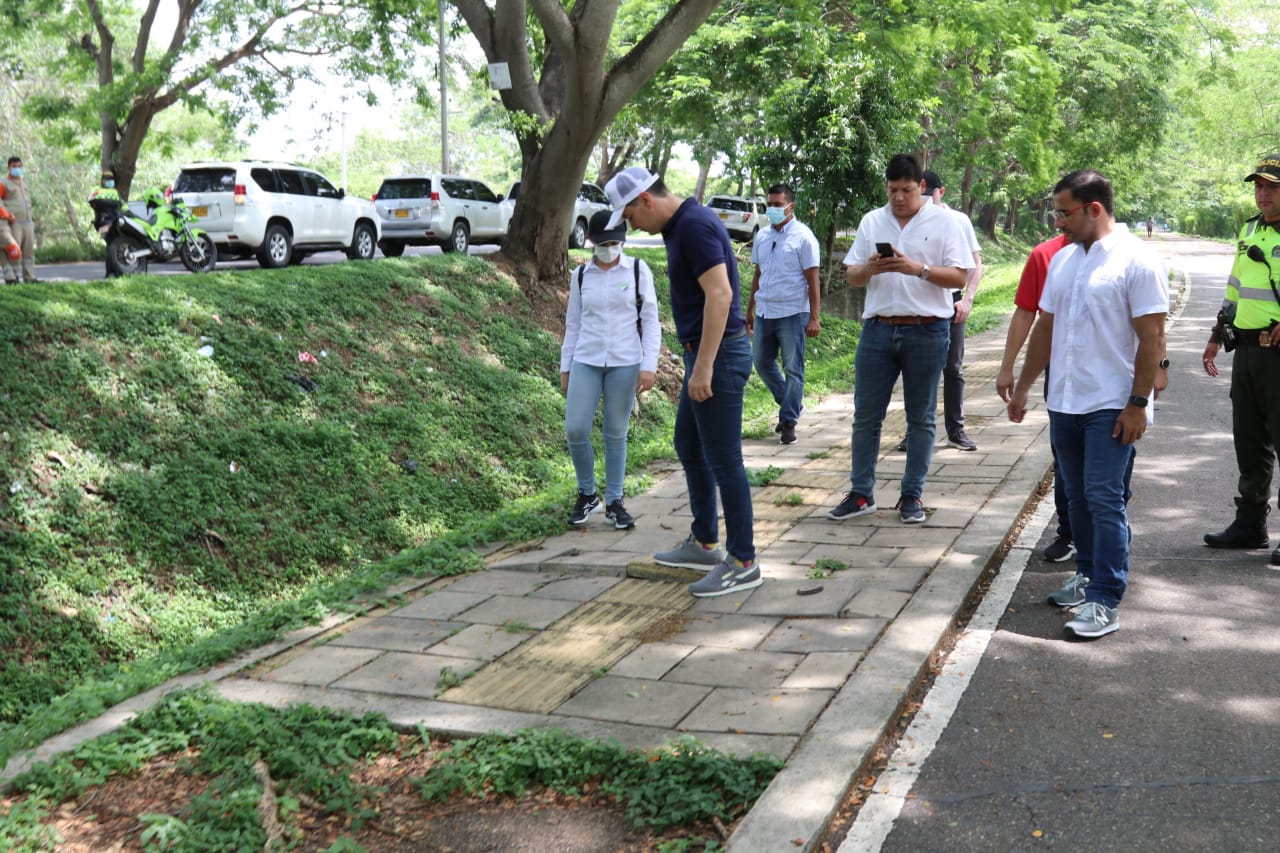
(908, 320)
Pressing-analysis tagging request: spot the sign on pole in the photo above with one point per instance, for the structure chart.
(500, 75)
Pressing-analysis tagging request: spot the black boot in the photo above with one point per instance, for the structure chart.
(1248, 530)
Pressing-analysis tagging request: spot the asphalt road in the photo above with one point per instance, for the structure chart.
(1164, 736)
(88, 271)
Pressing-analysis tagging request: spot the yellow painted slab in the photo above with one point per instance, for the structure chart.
(562, 650)
(517, 687)
(611, 619)
(669, 596)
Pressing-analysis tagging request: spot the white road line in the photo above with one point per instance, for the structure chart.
(876, 817)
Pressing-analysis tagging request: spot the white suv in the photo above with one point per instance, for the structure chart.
(448, 211)
(279, 211)
(741, 216)
(590, 200)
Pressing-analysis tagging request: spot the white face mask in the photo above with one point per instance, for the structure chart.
(608, 254)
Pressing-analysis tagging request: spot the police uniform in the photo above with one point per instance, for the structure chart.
(1253, 292)
(106, 203)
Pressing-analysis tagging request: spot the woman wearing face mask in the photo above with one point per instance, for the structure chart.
(610, 349)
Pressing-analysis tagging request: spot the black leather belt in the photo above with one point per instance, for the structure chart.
(692, 346)
(1250, 337)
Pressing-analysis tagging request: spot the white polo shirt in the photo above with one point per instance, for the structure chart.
(1093, 297)
(933, 236)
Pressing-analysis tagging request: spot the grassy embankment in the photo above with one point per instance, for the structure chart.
(163, 509)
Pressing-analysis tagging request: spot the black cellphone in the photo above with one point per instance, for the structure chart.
(885, 250)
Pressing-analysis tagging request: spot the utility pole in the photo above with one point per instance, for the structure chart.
(444, 99)
(344, 149)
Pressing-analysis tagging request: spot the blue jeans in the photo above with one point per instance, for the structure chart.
(885, 351)
(708, 441)
(586, 384)
(1060, 492)
(782, 336)
(1094, 469)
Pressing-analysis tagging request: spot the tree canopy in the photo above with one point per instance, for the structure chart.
(119, 66)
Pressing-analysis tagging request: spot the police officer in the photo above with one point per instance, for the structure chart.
(1253, 291)
(105, 201)
(106, 189)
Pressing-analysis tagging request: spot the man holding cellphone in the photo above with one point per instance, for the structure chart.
(905, 330)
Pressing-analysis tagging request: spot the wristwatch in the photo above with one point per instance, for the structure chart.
(1164, 364)
(924, 271)
(1140, 402)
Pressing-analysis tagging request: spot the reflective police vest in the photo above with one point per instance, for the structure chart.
(1250, 283)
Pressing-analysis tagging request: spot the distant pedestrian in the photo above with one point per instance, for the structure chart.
(610, 350)
(1026, 305)
(1101, 335)
(707, 309)
(1151, 226)
(17, 200)
(1251, 320)
(909, 255)
(785, 305)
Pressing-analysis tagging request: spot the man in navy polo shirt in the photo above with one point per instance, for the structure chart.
(707, 309)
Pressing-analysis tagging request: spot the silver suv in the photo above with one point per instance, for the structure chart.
(448, 211)
(590, 199)
(743, 217)
(280, 212)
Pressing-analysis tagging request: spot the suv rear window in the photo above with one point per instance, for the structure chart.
(729, 204)
(404, 188)
(212, 180)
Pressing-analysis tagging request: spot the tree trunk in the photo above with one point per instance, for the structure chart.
(578, 94)
(704, 171)
(988, 215)
(538, 235)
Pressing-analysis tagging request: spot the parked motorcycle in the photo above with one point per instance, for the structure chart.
(164, 234)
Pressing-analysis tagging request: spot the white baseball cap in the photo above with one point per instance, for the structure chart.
(623, 188)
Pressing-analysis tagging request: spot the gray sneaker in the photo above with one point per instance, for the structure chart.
(1094, 620)
(690, 555)
(727, 577)
(1072, 592)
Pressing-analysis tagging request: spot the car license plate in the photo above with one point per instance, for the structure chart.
(200, 211)
(724, 216)
(402, 213)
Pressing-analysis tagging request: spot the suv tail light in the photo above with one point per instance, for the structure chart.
(373, 197)
(435, 199)
(241, 192)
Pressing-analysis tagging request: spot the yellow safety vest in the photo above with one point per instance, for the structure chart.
(1248, 285)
